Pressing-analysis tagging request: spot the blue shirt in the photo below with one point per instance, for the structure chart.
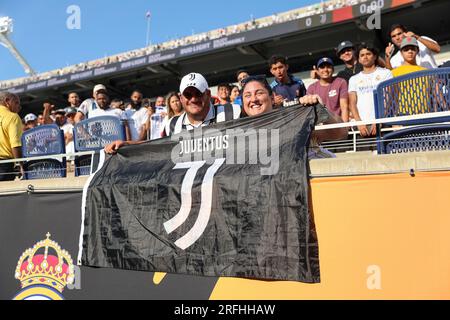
(295, 88)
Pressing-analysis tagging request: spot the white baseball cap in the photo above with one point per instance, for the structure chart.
(195, 80)
(99, 87)
(30, 117)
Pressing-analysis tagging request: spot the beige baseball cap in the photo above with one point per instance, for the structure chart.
(99, 87)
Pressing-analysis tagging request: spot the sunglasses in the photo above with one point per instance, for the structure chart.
(194, 93)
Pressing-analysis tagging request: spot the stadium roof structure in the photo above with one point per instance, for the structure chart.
(302, 40)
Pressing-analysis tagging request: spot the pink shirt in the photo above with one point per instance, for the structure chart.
(331, 94)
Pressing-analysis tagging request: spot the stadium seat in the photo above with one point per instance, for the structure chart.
(416, 93)
(44, 140)
(416, 139)
(93, 135)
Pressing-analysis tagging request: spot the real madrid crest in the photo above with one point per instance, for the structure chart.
(44, 271)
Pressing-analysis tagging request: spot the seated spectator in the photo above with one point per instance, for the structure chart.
(30, 121)
(223, 94)
(427, 48)
(258, 98)
(10, 134)
(332, 90)
(362, 85)
(137, 117)
(285, 86)
(88, 105)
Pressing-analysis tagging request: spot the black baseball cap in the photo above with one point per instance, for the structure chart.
(344, 45)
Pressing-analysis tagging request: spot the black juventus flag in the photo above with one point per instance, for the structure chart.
(229, 199)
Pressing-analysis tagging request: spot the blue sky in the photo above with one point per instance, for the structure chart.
(110, 27)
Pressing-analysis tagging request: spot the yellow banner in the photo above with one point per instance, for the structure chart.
(380, 237)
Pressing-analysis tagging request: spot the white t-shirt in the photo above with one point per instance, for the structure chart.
(107, 112)
(87, 106)
(67, 128)
(364, 85)
(157, 122)
(136, 119)
(425, 57)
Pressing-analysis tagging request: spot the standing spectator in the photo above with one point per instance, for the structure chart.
(427, 48)
(48, 109)
(70, 115)
(137, 117)
(155, 125)
(223, 93)
(30, 121)
(285, 86)
(40, 119)
(90, 104)
(60, 117)
(117, 104)
(347, 53)
(159, 102)
(409, 50)
(234, 93)
(413, 95)
(10, 134)
(362, 85)
(240, 76)
(199, 112)
(67, 128)
(258, 98)
(74, 100)
(174, 103)
(332, 90)
(103, 108)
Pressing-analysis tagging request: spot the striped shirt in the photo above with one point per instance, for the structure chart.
(219, 113)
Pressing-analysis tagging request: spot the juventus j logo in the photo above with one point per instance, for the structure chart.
(186, 202)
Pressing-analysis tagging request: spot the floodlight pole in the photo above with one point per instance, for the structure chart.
(5, 29)
(148, 31)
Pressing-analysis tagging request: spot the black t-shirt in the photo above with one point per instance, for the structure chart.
(347, 73)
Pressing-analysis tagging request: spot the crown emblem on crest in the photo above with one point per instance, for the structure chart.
(37, 266)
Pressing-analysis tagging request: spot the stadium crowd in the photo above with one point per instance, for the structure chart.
(346, 96)
(188, 40)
